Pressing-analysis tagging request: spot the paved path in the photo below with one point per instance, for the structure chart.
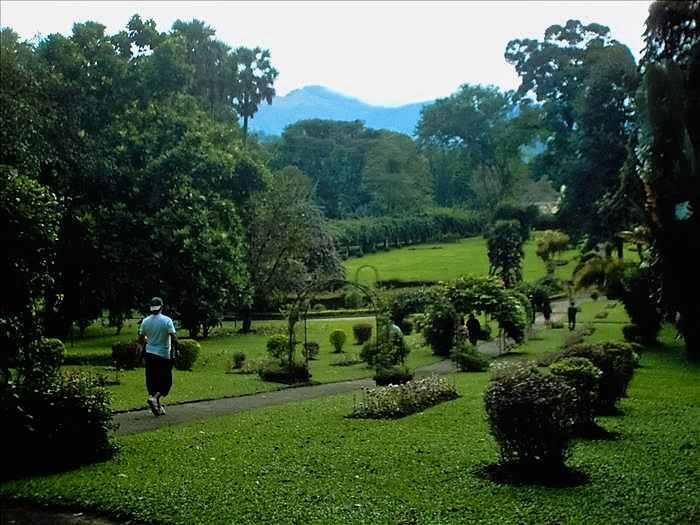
(143, 420)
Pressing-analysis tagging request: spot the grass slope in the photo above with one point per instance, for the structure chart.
(307, 463)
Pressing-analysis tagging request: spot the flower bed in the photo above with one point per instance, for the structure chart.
(394, 401)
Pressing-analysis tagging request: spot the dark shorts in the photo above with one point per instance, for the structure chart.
(159, 374)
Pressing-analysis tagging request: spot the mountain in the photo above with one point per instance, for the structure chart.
(318, 102)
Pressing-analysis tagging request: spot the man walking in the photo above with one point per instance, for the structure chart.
(157, 332)
(571, 314)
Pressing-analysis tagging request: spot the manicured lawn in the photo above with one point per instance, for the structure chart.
(435, 262)
(211, 376)
(307, 463)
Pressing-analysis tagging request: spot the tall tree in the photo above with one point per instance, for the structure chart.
(254, 78)
(669, 155)
(583, 80)
(397, 176)
(477, 134)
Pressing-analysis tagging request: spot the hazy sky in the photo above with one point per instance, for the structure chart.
(386, 53)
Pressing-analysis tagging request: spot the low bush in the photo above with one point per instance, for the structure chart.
(283, 372)
(38, 365)
(310, 350)
(62, 426)
(126, 356)
(616, 361)
(362, 332)
(530, 415)
(392, 375)
(584, 376)
(396, 401)
(238, 360)
(337, 339)
(278, 345)
(467, 359)
(186, 353)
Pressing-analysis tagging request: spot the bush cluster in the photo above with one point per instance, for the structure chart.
(396, 401)
(615, 360)
(186, 353)
(531, 415)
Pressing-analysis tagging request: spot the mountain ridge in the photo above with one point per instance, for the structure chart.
(320, 102)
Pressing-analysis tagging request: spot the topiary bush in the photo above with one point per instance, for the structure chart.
(392, 375)
(127, 355)
(238, 360)
(362, 332)
(186, 353)
(467, 359)
(337, 339)
(310, 350)
(530, 415)
(39, 363)
(584, 376)
(616, 361)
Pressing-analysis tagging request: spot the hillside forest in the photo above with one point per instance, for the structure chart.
(128, 171)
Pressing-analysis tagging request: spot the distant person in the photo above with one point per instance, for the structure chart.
(571, 312)
(157, 333)
(474, 328)
(547, 312)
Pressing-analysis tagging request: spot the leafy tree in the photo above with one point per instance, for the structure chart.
(476, 134)
(396, 176)
(29, 216)
(254, 77)
(333, 155)
(583, 80)
(668, 154)
(505, 251)
(287, 242)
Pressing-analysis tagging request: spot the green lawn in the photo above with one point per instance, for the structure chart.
(307, 463)
(435, 262)
(211, 376)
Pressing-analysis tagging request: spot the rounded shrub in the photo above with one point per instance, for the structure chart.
(616, 361)
(362, 332)
(60, 426)
(126, 355)
(186, 353)
(311, 349)
(238, 360)
(38, 365)
(584, 377)
(530, 415)
(337, 339)
(278, 372)
(392, 375)
(467, 358)
(278, 345)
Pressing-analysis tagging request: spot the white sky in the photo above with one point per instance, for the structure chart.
(383, 52)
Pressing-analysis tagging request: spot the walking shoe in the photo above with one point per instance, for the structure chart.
(153, 405)
(161, 409)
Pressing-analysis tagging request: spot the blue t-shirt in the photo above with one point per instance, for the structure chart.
(157, 329)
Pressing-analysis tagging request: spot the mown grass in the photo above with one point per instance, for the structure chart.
(443, 262)
(212, 377)
(307, 463)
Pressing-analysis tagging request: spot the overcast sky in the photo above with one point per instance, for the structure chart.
(385, 53)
